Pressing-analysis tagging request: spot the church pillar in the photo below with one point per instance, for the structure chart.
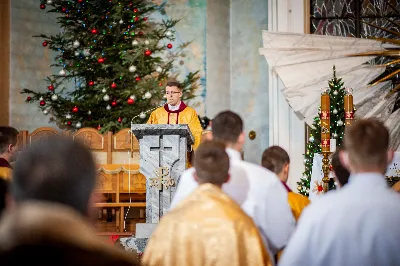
(285, 127)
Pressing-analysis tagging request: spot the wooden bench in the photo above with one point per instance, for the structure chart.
(121, 188)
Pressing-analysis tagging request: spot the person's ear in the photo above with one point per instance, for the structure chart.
(344, 159)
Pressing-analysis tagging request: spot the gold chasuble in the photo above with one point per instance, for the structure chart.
(206, 229)
(184, 115)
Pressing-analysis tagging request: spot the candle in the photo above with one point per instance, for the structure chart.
(332, 145)
(325, 122)
(348, 108)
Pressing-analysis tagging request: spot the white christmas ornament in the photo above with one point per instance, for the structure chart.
(146, 42)
(41, 99)
(49, 2)
(103, 90)
(147, 95)
(108, 107)
(159, 69)
(86, 52)
(89, 112)
(62, 72)
(132, 69)
(45, 112)
(78, 125)
(54, 97)
(134, 42)
(142, 115)
(168, 33)
(106, 98)
(133, 97)
(121, 22)
(77, 53)
(311, 139)
(335, 92)
(68, 116)
(334, 135)
(76, 44)
(340, 123)
(335, 111)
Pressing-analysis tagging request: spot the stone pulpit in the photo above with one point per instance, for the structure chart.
(163, 158)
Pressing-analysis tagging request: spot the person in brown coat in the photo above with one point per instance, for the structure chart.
(48, 222)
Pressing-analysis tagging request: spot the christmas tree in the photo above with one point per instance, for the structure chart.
(118, 57)
(337, 117)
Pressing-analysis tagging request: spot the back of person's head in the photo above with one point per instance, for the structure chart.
(275, 159)
(341, 173)
(211, 163)
(55, 169)
(366, 146)
(8, 136)
(227, 127)
(3, 194)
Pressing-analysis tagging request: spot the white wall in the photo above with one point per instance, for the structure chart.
(286, 129)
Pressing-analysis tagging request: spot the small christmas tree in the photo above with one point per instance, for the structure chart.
(337, 117)
(118, 58)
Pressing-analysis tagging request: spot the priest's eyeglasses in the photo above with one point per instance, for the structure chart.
(172, 92)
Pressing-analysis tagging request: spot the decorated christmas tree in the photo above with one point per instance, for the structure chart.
(116, 55)
(337, 118)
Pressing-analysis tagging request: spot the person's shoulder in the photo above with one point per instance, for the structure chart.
(189, 109)
(298, 197)
(257, 171)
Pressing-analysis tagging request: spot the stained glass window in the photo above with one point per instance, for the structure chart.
(353, 18)
(344, 17)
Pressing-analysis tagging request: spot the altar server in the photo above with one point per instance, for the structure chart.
(259, 191)
(207, 228)
(357, 224)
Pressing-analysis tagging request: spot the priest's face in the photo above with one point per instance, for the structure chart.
(173, 94)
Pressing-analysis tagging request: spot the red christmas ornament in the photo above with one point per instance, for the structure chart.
(140, 33)
(64, 9)
(145, 18)
(42, 6)
(42, 103)
(100, 60)
(98, 127)
(131, 101)
(330, 167)
(169, 46)
(136, 19)
(44, 44)
(147, 52)
(119, 119)
(75, 109)
(137, 78)
(28, 99)
(135, 10)
(51, 88)
(91, 83)
(80, 1)
(160, 84)
(114, 103)
(94, 31)
(113, 85)
(69, 123)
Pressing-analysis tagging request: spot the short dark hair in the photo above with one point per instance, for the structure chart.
(227, 127)
(341, 173)
(274, 159)
(8, 135)
(174, 83)
(367, 143)
(211, 162)
(55, 169)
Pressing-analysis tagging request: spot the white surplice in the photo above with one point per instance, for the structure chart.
(260, 194)
(357, 225)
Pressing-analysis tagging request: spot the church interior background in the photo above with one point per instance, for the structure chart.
(225, 47)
